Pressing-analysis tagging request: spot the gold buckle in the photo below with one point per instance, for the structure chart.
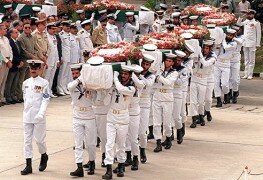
(116, 112)
(163, 90)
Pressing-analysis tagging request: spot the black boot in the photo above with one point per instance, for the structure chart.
(78, 172)
(108, 174)
(234, 99)
(193, 125)
(226, 99)
(158, 146)
(202, 121)
(135, 163)
(150, 134)
(169, 143)
(28, 168)
(164, 142)
(98, 142)
(183, 129)
(180, 136)
(198, 121)
(172, 137)
(208, 115)
(86, 166)
(43, 162)
(143, 155)
(102, 160)
(121, 170)
(91, 168)
(128, 161)
(237, 93)
(219, 102)
(230, 94)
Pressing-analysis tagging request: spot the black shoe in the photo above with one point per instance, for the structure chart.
(158, 146)
(226, 99)
(202, 121)
(128, 161)
(237, 93)
(108, 174)
(198, 121)
(121, 170)
(91, 168)
(169, 143)
(234, 99)
(172, 137)
(135, 163)
(86, 166)
(219, 102)
(180, 136)
(230, 94)
(150, 134)
(78, 172)
(208, 115)
(164, 142)
(98, 142)
(28, 168)
(11, 102)
(43, 162)
(102, 160)
(183, 129)
(193, 125)
(143, 155)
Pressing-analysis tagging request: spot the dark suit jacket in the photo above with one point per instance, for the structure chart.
(16, 54)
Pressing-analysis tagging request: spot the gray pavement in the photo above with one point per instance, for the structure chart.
(219, 150)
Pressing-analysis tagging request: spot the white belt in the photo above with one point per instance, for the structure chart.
(165, 90)
(114, 111)
(83, 109)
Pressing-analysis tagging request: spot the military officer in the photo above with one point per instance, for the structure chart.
(36, 98)
(118, 120)
(198, 86)
(130, 27)
(163, 102)
(145, 102)
(84, 125)
(74, 46)
(194, 20)
(86, 44)
(99, 34)
(113, 34)
(176, 18)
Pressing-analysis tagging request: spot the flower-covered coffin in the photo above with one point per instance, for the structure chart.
(199, 32)
(220, 19)
(199, 9)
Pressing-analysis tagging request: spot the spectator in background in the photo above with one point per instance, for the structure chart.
(12, 78)
(99, 36)
(243, 6)
(231, 4)
(50, 19)
(17, 24)
(25, 18)
(42, 15)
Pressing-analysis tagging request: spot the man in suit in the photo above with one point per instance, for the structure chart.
(12, 78)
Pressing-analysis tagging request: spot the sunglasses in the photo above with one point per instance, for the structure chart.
(27, 27)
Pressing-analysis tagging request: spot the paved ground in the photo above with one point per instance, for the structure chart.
(220, 150)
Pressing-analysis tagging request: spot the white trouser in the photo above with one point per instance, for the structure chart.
(151, 113)
(177, 119)
(234, 80)
(116, 133)
(3, 77)
(38, 131)
(63, 77)
(221, 80)
(144, 122)
(84, 129)
(249, 57)
(49, 76)
(101, 121)
(209, 95)
(197, 99)
(162, 113)
(132, 143)
(183, 108)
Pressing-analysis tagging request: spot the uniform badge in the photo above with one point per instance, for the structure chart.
(38, 89)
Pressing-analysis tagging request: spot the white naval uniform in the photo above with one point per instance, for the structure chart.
(117, 120)
(145, 105)
(6, 51)
(36, 98)
(252, 36)
(210, 86)
(129, 30)
(132, 143)
(64, 70)
(101, 111)
(145, 29)
(163, 103)
(217, 33)
(74, 53)
(198, 84)
(234, 80)
(113, 34)
(84, 125)
(222, 67)
(52, 59)
(85, 41)
(178, 96)
(188, 63)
